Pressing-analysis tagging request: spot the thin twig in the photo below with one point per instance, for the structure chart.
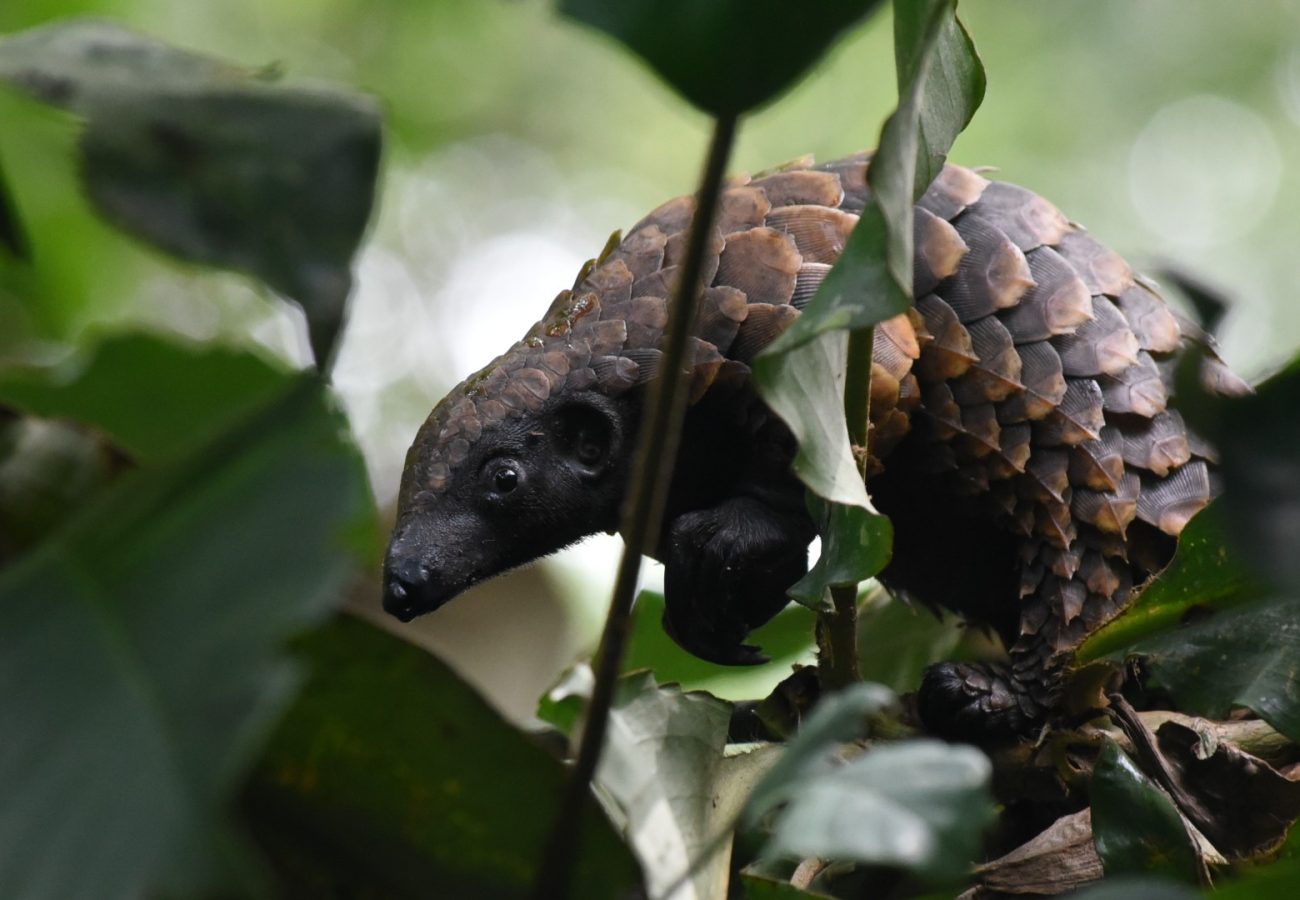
(652, 468)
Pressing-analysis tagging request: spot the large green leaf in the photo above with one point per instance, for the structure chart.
(390, 777)
(1136, 827)
(213, 163)
(1246, 656)
(1205, 574)
(920, 805)
(138, 652)
(897, 641)
(158, 397)
(12, 238)
(725, 56)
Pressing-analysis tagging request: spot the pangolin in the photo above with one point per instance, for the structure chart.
(1022, 434)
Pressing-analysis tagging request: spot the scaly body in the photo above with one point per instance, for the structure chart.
(1022, 434)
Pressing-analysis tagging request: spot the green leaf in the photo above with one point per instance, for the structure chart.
(836, 719)
(1276, 882)
(1137, 888)
(920, 805)
(139, 653)
(212, 163)
(856, 544)
(760, 887)
(1259, 440)
(709, 50)
(390, 777)
(158, 397)
(674, 792)
(788, 638)
(1205, 574)
(1247, 656)
(1135, 826)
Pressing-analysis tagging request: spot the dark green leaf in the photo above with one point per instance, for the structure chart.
(213, 163)
(725, 56)
(761, 887)
(856, 544)
(1136, 827)
(1259, 440)
(920, 805)
(1205, 574)
(159, 397)
(836, 719)
(1248, 656)
(1137, 888)
(138, 653)
(390, 777)
(785, 639)
(1276, 882)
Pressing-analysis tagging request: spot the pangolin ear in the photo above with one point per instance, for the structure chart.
(589, 435)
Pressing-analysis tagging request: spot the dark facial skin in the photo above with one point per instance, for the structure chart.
(540, 483)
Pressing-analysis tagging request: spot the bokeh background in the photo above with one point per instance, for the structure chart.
(518, 141)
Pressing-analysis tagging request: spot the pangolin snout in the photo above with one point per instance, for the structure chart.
(410, 589)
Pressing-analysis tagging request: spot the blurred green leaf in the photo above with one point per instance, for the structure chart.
(1137, 888)
(786, 639)
(675, 793)
(707, 49)
(761, 887)
(138, 653)
(921, 805)
(835, 719)
(48, 471)
(390, 777)
(1245, 656)
(855, 545)
(1205, 574)
(1136, 827)
(1259, 440)
(12, 237)
(897, 641)
(213, 163)
(159, 397)
(1280, 881)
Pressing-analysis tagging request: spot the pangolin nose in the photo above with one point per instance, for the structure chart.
(406, 581)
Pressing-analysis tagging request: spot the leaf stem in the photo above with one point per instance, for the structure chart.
(652, 468)
(837, 629)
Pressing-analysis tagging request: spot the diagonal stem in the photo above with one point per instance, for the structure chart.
(652, 468)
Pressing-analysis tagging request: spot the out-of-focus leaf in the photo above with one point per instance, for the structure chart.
(1205, 574)
(663, 770)
(138, 653)
(761, 887)
(391, 777)
(562, 704)
(1135, 826)
(856, 544)
(1245, 656)
(48, 471)
(1276, 882)
(1138, 888)
(786, 639)
(1259, 439)
(213, 163)
(725, 56)
(834, 720)
(896, 641)
(12, 237)
(920, 805)
(158, 397)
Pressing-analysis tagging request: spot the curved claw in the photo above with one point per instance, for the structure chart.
(972, 702)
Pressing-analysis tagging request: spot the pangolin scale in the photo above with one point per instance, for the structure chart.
(1022, 432)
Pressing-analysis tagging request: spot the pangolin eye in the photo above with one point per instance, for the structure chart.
(589, 448)
(505, 479)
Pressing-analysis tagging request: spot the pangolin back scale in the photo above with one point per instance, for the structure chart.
(1031, 382)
